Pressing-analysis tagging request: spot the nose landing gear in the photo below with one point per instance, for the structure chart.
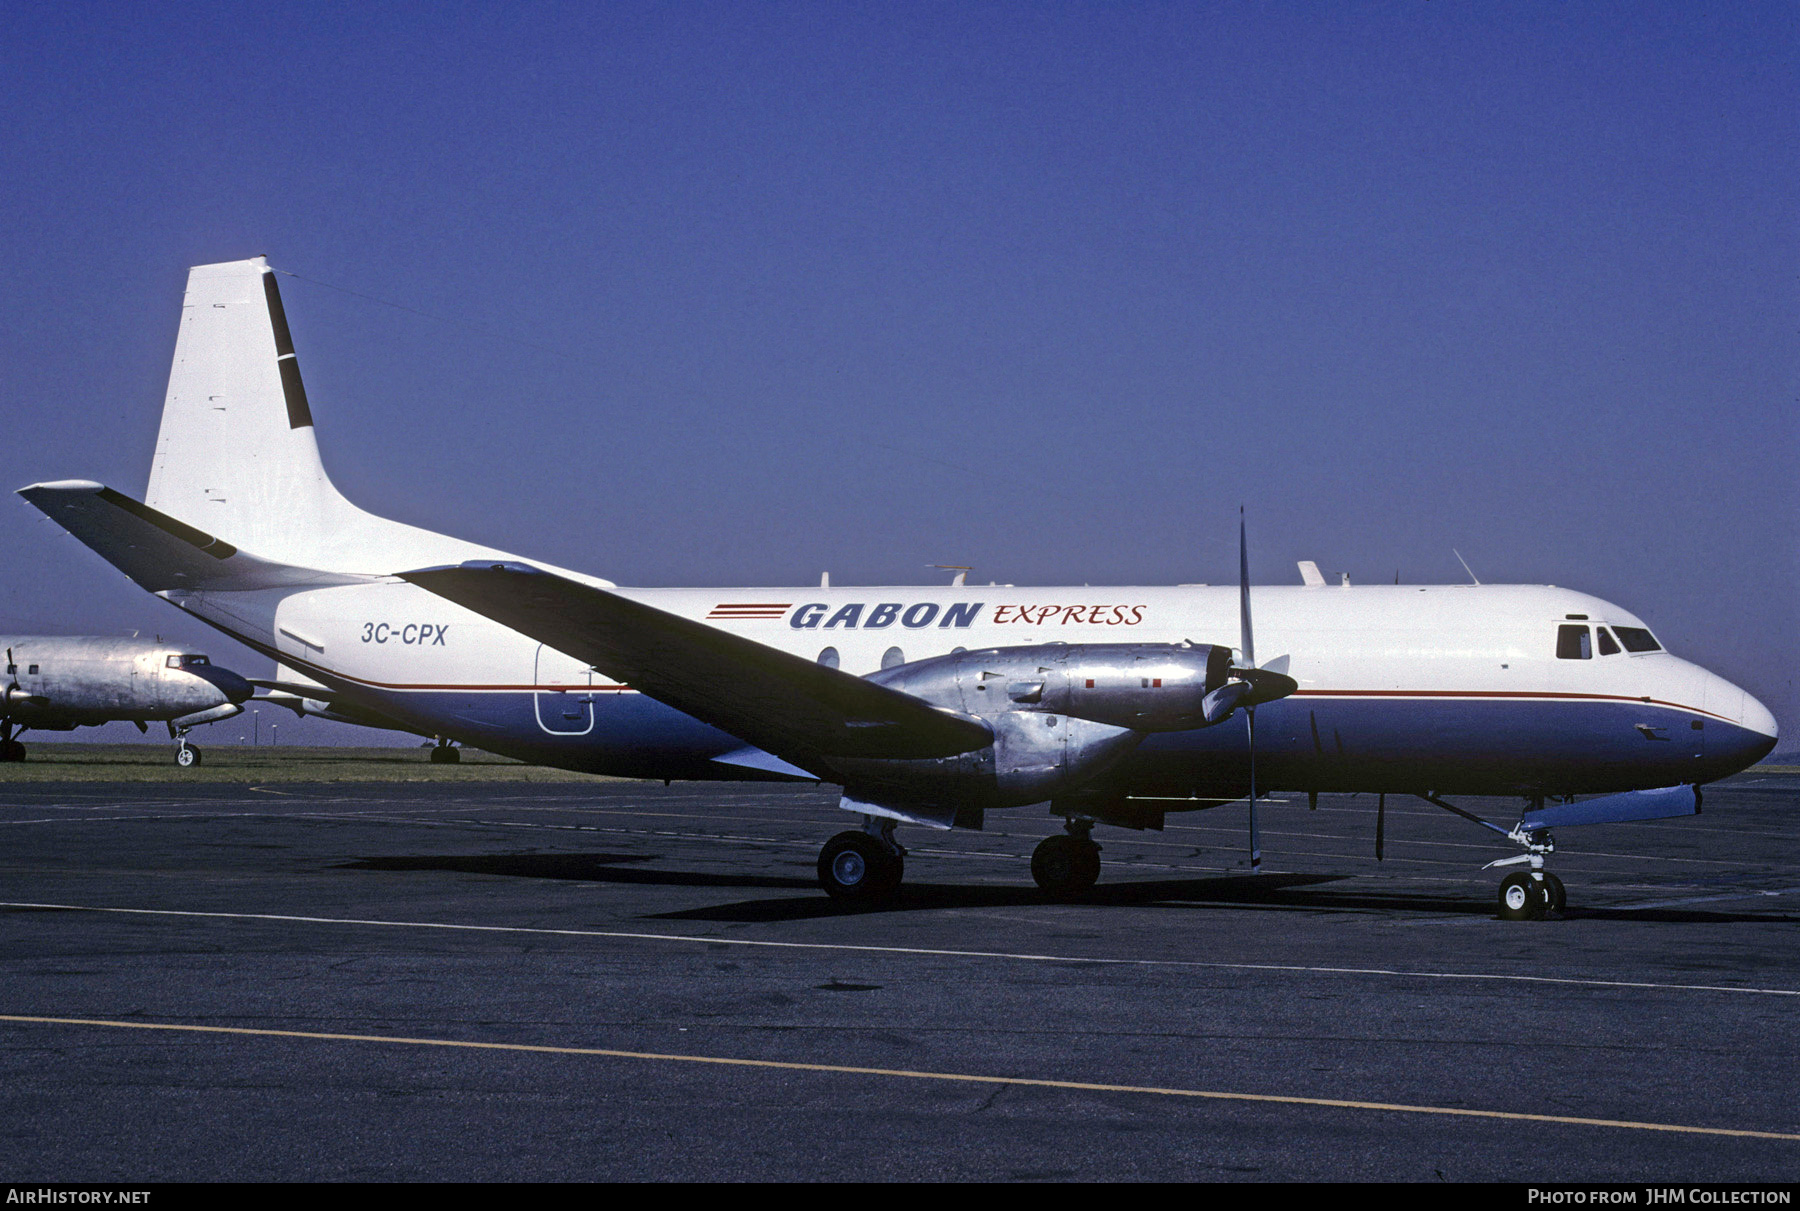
(1524, 895)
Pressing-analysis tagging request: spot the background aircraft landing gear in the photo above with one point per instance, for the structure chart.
(862, 867)
(1067, 864)
(445, 753)
(187, 755)
(11, 750)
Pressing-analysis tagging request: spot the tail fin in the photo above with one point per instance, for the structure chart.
(236, 455)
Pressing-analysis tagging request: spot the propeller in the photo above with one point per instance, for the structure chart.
(1247, 686)
(1248, 645)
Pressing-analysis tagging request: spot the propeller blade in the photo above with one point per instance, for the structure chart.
(1255, 837)
(1217, 706)
(1380, 823)
(1251, 674)
(1246, 635)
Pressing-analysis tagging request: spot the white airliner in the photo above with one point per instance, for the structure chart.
(928, 706)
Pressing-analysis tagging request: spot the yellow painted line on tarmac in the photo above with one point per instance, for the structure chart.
(918, 1075)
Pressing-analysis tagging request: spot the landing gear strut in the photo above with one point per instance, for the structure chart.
(1067, 865)
(863, 867)
(1525, 895)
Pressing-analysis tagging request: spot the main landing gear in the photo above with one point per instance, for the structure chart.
(445, 753)
(10, 749)
(1067, 864)
(863, 867)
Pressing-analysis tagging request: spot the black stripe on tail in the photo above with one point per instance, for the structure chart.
(292, 389)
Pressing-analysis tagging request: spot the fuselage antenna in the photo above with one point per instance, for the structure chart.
(1465, 564)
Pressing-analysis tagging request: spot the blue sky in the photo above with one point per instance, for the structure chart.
(739, 293)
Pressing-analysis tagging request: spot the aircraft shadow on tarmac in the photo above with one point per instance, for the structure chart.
(1303, 893)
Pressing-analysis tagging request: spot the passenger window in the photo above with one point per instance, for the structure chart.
(1607, 646)
(32, 671)
(1574, 643)
(1637, 639)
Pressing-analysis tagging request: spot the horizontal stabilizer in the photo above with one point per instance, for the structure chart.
(1617, 809)
(804, 713)
(157, 551)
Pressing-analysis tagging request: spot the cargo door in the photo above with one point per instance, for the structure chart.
(564, 697)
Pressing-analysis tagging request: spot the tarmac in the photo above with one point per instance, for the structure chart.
(622, 981)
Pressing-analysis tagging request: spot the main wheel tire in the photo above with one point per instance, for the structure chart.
(444, 754)
(1065, 865)
(1521, 898)
(856, 868)
(1555, 892)
(187, 755)
(11, 750)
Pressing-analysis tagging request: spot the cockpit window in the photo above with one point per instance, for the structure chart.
(1574, 643)
(187, 662)
(1608, 647)
(1637, 639)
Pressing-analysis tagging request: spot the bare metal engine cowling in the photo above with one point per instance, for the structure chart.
(1061, 715)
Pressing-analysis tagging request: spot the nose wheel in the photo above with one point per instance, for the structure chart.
(187, 756)
(1528, 897)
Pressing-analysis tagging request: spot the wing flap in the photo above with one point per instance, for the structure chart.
(800, 711)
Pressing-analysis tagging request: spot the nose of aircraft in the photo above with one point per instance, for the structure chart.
(1756, 732)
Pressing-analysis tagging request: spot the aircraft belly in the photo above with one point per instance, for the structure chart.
(632, 735)
(1452, 746)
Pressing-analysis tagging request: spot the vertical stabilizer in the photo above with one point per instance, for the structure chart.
(236, 455)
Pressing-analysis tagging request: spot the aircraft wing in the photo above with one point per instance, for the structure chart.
(160, 552)
(801, 711)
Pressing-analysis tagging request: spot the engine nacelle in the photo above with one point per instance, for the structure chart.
(1061, 714)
